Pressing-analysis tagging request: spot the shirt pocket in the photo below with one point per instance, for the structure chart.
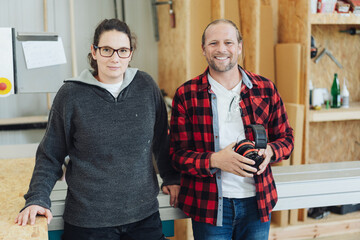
(261, 108)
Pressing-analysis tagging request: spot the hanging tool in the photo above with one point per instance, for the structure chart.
(351, 31)
(325, 51)
(154, 4)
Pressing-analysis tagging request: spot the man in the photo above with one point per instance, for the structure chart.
(226, 197)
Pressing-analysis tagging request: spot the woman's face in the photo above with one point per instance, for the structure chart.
(111, 69)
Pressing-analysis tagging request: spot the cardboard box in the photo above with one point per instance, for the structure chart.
(326, 6)
(354, 6)
(342, 7)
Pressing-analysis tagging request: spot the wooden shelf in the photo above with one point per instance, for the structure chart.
(334, 18)
(336, 114)
(24, 120)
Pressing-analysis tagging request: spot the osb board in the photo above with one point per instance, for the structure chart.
(334, 141)
(346, 49)
(15, 176)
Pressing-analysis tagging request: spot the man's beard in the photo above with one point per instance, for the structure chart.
(221, 68)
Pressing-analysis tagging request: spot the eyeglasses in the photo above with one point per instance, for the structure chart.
(234, 111)
(108, 52)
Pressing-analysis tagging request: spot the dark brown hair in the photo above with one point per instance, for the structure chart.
(109, 25)
(238, 34)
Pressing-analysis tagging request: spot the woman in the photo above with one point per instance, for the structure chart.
(109, 122)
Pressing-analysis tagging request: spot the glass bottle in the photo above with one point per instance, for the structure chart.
(335, 93)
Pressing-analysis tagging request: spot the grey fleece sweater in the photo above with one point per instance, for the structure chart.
(110, 142)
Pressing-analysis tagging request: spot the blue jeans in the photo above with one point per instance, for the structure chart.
(149, 228)
(241, 220)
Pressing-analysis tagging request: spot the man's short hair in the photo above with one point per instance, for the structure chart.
(238, 34)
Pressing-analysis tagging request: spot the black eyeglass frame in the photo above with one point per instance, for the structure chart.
(114, 50)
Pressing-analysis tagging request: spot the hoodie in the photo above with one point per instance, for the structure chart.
(110, 142)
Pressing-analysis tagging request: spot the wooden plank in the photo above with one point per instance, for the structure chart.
(295, 114)
(267, 55)
(182, 230)
(288, 58)
(336, 226)
(250, 28)
(334, 18)
(24, 120)
(179, 50)
(296, 118)
(336, 114)
(217, 9)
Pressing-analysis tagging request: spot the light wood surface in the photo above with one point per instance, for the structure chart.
(15, 176)
(288, 59)
(332, 227)
(217, 9)
(336, 114)
(250, 29)
(267, 55)
(334, 18)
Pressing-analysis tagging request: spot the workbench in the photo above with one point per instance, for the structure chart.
(301, 186)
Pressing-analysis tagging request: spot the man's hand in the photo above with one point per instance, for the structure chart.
(31, 212)
(173, 190)
(230, 161)
(267, 154)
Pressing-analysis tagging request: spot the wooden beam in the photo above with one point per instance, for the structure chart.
(217, 9)
(250, 28)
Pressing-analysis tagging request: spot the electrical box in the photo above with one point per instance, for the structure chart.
(7, 62)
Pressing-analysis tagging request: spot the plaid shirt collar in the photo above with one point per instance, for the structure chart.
(246, 76)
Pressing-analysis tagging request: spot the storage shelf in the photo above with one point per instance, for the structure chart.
(336, 114)
(334, 18)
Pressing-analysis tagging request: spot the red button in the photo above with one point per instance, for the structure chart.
(3, 86)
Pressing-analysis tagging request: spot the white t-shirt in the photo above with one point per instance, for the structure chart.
(231, 129)
(114, 89)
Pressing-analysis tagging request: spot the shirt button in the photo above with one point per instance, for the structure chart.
(216, 137)
(214, 98)
(219, 198)
(219, 178)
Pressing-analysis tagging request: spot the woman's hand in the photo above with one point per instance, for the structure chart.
(31, 212)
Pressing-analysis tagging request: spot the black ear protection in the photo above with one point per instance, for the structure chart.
(248, 149)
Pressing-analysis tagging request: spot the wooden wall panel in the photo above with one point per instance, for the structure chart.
(172, 60)
(200, 17)
(334, 141)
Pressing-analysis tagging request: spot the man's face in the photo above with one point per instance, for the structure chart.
(221, 47)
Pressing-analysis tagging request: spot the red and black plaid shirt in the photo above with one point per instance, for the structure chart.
(192, 143)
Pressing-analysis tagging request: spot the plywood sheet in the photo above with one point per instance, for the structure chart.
(334, 141)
